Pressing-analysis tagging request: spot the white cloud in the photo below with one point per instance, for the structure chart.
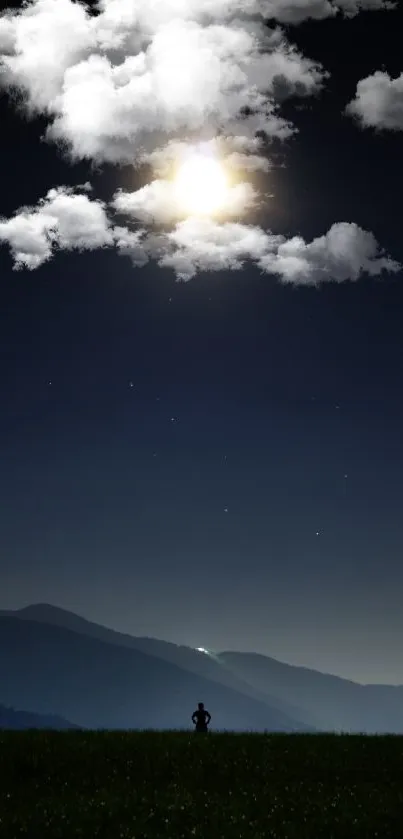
(64, 220)
(116, 84)
(157, 202)
(239, 154)
(378, 102)
(69, 220)
(345, 252)
(203, 245)
(138, 82)
(157, 12)
(248, 162)
(131, 243)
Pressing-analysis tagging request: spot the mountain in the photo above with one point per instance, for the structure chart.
(306, 697)
(19, 720)
(332, 702)
(53, 670)
(209, 666)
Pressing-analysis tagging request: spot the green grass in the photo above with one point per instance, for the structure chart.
(177, 784)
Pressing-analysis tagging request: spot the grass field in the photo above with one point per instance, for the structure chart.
(177, 784)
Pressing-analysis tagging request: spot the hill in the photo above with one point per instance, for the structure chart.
(208, 666)
(55, 670)
(333, 703)
(308, 697)
(10, 718)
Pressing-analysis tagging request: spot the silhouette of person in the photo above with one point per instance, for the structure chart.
(201, 718)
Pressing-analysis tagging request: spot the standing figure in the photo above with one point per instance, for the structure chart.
(201, 718)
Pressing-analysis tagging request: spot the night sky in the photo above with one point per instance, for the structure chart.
(216, 462)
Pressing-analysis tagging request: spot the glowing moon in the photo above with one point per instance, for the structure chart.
(201, 185)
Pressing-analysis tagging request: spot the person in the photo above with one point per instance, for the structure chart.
(201, 718)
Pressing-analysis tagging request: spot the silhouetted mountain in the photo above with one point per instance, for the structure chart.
(50, 669)
(332, 702)
(208, 666)
(18, 720)
(318, 700)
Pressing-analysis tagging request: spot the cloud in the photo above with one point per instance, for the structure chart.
(241, 154)
(345, 252)
(378, 102)
(140, 82)
(119, 80)
(350, 8)
(69, 220)
(203, 245)
(296, 11)
(63, 220)
(124, 80)
(157, 202)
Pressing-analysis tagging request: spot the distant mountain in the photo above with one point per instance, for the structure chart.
(53, 670)
(208, 666)
(296, 695)
(18, 720)
(332, 702)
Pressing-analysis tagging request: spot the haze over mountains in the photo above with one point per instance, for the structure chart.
(53, 662)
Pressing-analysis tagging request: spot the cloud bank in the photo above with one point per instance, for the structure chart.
(72, 220)
(116, 82)
(378, 102)
(113, 80)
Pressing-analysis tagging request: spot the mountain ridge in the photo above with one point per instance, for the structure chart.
(180, 654)
(105, 685)
(18, 720)
(308, 697)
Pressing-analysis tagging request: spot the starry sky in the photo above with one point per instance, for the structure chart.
(218, 461)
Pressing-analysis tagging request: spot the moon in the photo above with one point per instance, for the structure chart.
(201, 185)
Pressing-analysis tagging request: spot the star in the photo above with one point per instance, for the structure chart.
(131, 384)
(317, 533)
(225, 509)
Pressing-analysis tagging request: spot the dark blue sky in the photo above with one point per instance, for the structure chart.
(219, 462)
